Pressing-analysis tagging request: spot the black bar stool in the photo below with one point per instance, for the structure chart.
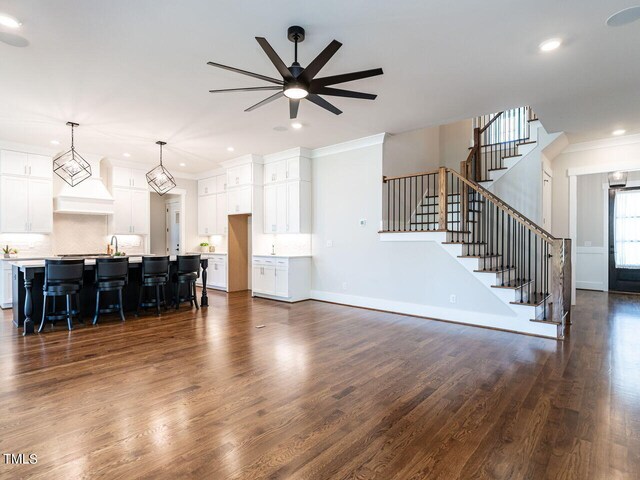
(155, 273)
(187, 272)
(62, 278)
(112, 274)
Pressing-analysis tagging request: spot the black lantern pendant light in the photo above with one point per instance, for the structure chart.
(159, 178)
(70, 166)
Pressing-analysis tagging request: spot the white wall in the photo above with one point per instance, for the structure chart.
(358, 268)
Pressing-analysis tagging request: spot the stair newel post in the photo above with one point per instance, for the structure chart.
(566, 279)
(477, 175)
(442, 198)
(557, 282)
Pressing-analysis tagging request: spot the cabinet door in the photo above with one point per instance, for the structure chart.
(40, 206)
(221, 214)
(122, 211)
(140, 212)
(281, 282)
(40, 166)
(293, 169)
(139, 179)
(206, 215)
(270, 174)
(207, 186)
(240, 175)
(221, 183)
(281, 208)
(13, 163)
(269, 275)
(258, 280)
(14, 204)
(293, 207)
(121, 177)
(239, 200)
(270, 209)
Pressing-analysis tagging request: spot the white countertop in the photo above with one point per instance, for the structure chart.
(208, 254)
(87, 261)
(27, 257)
(283, 256)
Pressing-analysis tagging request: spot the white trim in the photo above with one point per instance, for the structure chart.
(243, 160)
(474, 318)
(613, 166)
(573, 229)
(600, 286)
(210, 173)
(605, 238)
(287, 154)
(356, 144)
(603, 143)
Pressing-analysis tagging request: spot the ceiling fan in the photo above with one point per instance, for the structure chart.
(297, 82)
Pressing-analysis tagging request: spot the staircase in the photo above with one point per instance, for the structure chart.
(516, 260)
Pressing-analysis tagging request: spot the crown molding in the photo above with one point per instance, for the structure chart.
(356, 144)
(603, 143)
(244, 159)
(287, 154)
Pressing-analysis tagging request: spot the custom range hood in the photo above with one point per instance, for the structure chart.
(90, 197)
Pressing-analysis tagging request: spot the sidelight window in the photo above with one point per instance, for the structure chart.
(627, 229)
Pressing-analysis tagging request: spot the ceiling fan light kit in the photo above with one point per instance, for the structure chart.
(70, 166)
(299, 82)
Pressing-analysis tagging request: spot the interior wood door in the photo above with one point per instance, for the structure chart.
(620, 279)
(40, 206)
(14, 204)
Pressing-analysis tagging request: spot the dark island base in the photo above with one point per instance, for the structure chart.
(25, 305)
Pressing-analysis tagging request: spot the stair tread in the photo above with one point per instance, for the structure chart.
(479, 256)
(464, 243)
(532, 303)
(513, 284)
(494, 270)
(501, 168)
(511, 156)
(528, 142)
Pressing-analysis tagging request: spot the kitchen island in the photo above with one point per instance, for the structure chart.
(28, 280)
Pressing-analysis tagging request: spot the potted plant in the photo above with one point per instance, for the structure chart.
(204, 247)
(9, 252)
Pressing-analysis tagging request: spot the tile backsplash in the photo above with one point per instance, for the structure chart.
(72, 234)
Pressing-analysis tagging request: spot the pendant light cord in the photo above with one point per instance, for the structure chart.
(160, 154)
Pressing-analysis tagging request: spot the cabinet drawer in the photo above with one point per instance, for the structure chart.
(263, 261)
(282, 262)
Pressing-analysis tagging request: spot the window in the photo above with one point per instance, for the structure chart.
(627, 229)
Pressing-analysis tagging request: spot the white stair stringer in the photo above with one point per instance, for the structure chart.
(521, 319)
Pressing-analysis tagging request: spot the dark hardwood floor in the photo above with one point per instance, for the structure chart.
(323, 392)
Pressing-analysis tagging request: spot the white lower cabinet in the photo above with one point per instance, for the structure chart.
(282, 278)
(6, 286)
(216, 272)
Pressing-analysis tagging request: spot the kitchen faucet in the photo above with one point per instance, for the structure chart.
(113, 237)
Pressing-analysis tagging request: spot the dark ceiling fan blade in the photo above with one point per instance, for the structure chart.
(273, 97)
(275, 59)
(347, 77)
(244, 72)
(247, 89)
(293, 108)
(320, 61)
(338, 92)
(321, 102)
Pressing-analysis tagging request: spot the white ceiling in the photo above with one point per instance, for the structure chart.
(133, 72)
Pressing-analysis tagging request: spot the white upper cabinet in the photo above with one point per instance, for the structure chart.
(287, 207)
(129, 177)
(240, 175)
(207, 211)
(212, 206)
(25, 164)
(207, 186)
(131, 211)
(221, 183)
(221, 214)
(298, 168)
(239, 200)
(26, 205)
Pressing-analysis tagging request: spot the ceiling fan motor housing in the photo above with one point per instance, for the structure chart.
(295, 34)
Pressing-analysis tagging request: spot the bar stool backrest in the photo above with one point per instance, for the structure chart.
(116, 268)
(155, 266)
(189, 264)
(59, 271)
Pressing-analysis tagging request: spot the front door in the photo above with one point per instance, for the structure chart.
(624, 240)
(173, 228)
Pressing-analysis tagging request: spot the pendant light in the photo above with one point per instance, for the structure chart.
(159, 177)
(70, 166)
(617, 179)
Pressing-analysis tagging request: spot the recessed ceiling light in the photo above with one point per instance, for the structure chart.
(230, 149)
(9, 21)
(126, 154)
(182, 164)
(619, 132)
(550, 45)
(55, 142)
(624, 17)
(296, 125)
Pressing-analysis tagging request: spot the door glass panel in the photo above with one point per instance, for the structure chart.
(627, 229)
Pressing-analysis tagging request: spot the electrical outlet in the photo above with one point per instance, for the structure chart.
(453, 299)
(329, 243)
(344, 285)
(362, 222)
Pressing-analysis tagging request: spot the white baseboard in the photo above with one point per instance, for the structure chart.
(511, 323)
(583, 285)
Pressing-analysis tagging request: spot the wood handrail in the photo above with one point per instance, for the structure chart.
(499, 114)
(385, 179)
(528, 224)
